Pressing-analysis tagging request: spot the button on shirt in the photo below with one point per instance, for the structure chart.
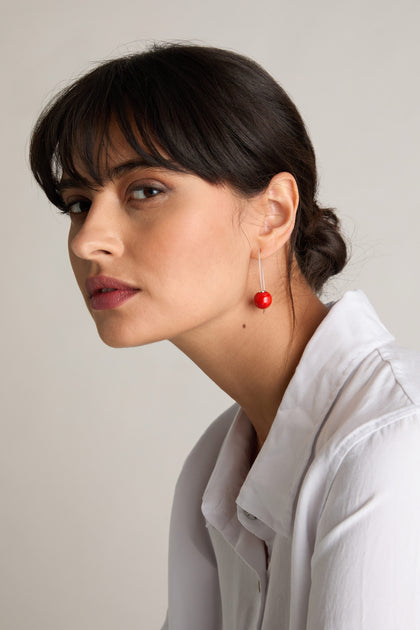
(322, 532)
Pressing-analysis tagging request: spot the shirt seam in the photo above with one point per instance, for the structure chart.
(396, 379)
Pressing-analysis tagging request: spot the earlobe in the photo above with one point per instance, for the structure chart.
(279, 203)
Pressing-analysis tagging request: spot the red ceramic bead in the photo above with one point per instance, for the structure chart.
(262, 299)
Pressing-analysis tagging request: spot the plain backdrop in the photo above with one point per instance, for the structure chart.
(92, 439)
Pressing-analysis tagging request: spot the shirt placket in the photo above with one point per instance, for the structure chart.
(264, 535)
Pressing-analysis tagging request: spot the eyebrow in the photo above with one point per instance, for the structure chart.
(113, 173)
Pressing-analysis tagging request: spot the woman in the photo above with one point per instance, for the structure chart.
(190, 182)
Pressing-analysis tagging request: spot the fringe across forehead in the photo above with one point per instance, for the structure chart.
(202, 110)
(161, 117)
(87, 156)
(74, 134)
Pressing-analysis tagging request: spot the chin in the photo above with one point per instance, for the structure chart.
(115, 343)
(115, 340)
(118, 336)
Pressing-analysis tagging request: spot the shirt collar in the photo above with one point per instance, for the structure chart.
(229, 474)
(349, 332)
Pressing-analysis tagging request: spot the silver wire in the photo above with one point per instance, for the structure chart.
(262, 282)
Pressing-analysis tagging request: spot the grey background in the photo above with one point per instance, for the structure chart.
(92, 439)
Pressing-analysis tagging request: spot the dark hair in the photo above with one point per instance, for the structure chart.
(198, 109)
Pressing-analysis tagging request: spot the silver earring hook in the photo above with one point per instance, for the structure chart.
(261, 270)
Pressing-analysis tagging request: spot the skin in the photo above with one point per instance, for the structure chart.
(192, 249)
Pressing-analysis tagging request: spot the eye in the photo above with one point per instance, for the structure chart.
(78, 207)
(145, 192)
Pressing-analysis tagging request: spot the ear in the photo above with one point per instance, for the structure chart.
(276, 207)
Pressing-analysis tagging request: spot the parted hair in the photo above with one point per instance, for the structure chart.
(198, 109)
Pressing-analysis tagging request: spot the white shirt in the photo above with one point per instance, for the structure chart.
(334, 496)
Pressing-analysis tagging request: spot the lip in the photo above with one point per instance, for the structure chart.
(105, 293)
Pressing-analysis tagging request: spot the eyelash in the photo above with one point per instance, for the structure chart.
(68, 206)
(67, 209)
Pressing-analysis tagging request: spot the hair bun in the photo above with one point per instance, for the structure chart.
(321, 251)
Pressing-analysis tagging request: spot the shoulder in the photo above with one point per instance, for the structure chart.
(384, 451)
(371, 437)
(370, 494)
(383, 389)
(405, 367)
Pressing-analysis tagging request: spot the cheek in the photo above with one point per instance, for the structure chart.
(200, 256)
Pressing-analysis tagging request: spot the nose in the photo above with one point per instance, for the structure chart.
(99, 234)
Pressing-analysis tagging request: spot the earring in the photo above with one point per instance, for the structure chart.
(263, 298)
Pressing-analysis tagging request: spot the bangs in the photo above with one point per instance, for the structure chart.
(199, 110)
(73, 136)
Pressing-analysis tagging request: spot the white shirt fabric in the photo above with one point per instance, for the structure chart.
(333, 496)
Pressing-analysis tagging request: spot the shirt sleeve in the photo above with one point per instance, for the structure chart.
(365, 569)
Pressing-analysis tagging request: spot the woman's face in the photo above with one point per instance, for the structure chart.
(157, 254)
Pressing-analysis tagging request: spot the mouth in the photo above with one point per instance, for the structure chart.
(106, 293)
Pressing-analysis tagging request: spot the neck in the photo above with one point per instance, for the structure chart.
(253, 354)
